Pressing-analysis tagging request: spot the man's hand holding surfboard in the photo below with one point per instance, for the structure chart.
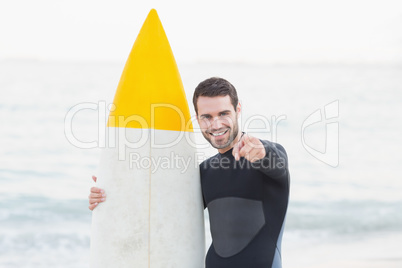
(96, 196)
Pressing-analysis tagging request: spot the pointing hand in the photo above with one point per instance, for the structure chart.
(250, 148)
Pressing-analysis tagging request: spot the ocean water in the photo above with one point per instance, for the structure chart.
(340, 125)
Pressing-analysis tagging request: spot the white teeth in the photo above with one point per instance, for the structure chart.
(218, 134)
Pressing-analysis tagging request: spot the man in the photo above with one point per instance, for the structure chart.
(245, 186)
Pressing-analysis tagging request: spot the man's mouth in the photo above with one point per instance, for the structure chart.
(217, 134)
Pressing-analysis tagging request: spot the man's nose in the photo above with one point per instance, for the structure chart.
(216, 123)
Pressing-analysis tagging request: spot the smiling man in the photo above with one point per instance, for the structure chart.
(245, 186)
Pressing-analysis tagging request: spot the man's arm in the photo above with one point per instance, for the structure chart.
(96, 196)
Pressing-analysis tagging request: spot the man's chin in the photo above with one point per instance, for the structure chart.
(220, 145)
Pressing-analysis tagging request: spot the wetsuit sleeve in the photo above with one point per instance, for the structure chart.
(275, 162)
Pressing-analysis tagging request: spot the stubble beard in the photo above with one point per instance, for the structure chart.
(233, 132)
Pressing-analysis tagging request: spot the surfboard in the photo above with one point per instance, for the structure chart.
(153, 214)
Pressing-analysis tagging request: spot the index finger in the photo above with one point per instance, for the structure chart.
(237, 147)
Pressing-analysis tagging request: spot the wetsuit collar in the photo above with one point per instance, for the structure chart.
(227, 153)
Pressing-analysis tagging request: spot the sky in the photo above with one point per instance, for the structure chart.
(205, 31)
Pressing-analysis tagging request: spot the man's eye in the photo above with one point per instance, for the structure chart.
(224, 114)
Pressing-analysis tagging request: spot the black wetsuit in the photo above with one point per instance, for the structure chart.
(247, 205)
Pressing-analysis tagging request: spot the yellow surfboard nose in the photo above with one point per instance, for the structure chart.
(150, 93)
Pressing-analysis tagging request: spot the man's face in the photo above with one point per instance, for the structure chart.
(218, 121)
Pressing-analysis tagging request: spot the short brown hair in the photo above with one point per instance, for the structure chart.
(213, 87)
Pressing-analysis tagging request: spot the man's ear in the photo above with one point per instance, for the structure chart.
(238, 108)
